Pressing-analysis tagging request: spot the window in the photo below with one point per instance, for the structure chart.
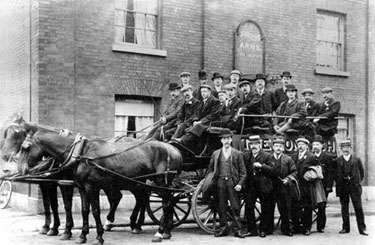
(136, 27)
(330, 41)
(132, 115)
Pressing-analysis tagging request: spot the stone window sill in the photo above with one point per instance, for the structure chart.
(133, 48)
(331, 72)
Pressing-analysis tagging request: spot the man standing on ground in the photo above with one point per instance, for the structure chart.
(260, 170)
(283, 183)
(326, 163)
(230, 172)
(349, 176)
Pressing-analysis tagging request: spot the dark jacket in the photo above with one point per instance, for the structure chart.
(268, 101)
(228, 112)
(187, 111)
(312, 109)
(251, 104)
(260, 179)
(173, 108)
(329, 109)
(238, 169)
(208, 112)
(280, 96)
(285, 168)
(356, 174)
(328, 168)
(294, 109)
(303, 164)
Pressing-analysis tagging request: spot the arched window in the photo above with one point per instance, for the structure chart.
(249, 48)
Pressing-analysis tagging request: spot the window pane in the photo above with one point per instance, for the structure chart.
(150, 39)
(120, 18)
(129, 38)
(119, 34)
(150, 22)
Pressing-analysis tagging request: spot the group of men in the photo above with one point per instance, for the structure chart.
(237, 106)
(297, 184)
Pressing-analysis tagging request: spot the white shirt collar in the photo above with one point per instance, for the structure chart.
(277, 157)
(347, 157)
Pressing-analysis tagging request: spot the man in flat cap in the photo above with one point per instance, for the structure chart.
(312, 109)
(235, 77)
(328, 110)
(328, 169)
(304, 159)
(187, 111)
(230, 108)
(229, 170)
(202, 77)
(293, 108)
(349, 175)
(280, 93)
(208, 111)
(260, 170)
(169, 117)
(185, 78)
(217, 79)
(284, 183)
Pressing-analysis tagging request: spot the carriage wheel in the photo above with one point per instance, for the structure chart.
(5, 193)
(181, 208)
(205, 212)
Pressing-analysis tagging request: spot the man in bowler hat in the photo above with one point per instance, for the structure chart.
(260, 170)
(230, 173)
(349, 175)
(280, 93)
(327, 164)
(169, 117)
(217, 79)
(202, 77)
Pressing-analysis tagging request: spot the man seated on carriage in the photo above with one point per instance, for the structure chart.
(208, 111)
(293, 108)
(187, 112)
(328, 110)
(169, 117)
(268, 101)
(251, 104)
(229, 109)
(311, 111)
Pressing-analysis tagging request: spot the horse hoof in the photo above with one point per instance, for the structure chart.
(53, 232)
(44, 230)
(66, 237)
(157, 239)
(80, 240)
(136, 231)
(98, 242)
(167, 236)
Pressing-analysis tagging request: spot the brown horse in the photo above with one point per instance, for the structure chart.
(102, 163)
(14, 136)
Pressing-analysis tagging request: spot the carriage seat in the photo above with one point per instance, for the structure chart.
(257, 130)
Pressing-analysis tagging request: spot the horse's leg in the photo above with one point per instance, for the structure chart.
(134, 215)
(85, 209)
(114, 196)
(141, 201)
(47, 212)
(54, 231)
(166, 221)
(67, 193)
(95, 207)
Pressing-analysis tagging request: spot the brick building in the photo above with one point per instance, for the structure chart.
(103, 68)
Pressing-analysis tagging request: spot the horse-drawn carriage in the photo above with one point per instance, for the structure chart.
(170, 176)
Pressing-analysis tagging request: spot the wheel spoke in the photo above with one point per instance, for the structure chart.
(208, 218)
(176, 215)
(157, 209)
(204, 210)
(181, 209)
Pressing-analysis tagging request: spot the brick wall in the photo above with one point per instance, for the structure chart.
(15, 59)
